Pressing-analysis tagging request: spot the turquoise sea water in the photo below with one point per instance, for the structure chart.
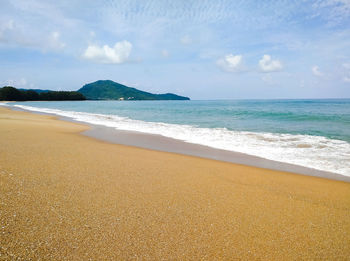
(312, 133)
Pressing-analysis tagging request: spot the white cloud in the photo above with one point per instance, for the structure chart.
(6, 29)
(316, 71)
(165, 53)
(186, 40)
(119, 53)
(8, 25)
(346, 66)
(231, 63)
(19, 83)
(268, 65)
(333, 11)
(15, 34)
(54, 41)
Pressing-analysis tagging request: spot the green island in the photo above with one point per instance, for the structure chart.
(109, 90)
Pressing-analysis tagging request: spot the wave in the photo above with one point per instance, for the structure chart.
(316, 152)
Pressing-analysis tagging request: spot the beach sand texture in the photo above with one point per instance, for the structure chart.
(65, 196)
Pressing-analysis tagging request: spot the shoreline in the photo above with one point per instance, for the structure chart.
(165, 144)
(161, 143)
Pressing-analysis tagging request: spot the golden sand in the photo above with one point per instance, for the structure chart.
(64, 196)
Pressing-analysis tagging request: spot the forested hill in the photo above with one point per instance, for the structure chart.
(9, 93)
(109, 90)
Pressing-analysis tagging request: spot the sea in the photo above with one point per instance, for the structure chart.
(310, 133)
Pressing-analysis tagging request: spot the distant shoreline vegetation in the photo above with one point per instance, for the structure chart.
(99, 90)
(9, 93)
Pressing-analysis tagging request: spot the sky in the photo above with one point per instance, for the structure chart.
(222, 49)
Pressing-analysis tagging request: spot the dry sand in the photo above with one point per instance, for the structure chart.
(65, 196)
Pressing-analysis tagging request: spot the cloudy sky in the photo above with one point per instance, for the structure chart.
(222, 49)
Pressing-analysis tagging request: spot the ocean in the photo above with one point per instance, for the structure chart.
(310, 133)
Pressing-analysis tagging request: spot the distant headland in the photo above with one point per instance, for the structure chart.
(109, 90)
(99, 90)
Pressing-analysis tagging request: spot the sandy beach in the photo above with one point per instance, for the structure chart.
(66, 196)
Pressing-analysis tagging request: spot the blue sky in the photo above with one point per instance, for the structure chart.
(202, 49)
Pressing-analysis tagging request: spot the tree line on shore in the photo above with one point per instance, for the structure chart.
(9, 93)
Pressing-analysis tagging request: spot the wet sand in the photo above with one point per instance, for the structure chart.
(161, 143)
(65, 196)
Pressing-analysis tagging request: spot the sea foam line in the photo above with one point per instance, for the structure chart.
(305, 150)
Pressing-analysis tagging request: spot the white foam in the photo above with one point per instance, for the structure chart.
(305, 150)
